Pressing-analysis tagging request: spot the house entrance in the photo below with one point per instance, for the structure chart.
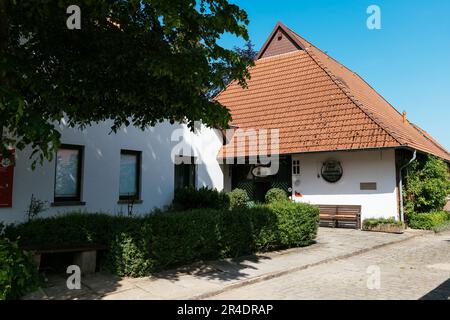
(257, 181)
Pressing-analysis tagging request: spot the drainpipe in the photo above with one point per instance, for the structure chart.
(402, 213)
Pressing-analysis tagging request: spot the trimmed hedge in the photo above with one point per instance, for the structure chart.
(296, 225)
(204, 198)
(276, 195)
(18, 274)
(428, 221)
(139, 246)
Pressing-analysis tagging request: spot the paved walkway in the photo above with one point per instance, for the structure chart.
(333, 268)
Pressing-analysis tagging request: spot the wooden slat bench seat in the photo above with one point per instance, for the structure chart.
(84, 256)
(345, 216)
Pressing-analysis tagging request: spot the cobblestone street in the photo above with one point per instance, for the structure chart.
(415, 269)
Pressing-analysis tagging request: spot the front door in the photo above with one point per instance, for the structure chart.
(261, 188)
(243, 177)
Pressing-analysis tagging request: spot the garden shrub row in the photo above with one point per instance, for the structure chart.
(189, 198)
(428, 221)
(138, 246)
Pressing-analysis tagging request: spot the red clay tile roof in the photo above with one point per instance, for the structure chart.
(316, 103)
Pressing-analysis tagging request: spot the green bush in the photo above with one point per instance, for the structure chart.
(190, 198)
(236, 233)
(374, 222)
(179, 238)
(74, 229)
(427, 185)
(129, 254)
(276, 195)
(139, 246)
(428, 221)
(18, 274)
(238, 198)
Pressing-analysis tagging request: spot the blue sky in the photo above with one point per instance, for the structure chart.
(407, 61)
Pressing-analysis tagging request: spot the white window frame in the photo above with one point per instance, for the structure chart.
(296, 168)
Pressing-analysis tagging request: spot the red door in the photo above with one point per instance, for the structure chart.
(6, 183)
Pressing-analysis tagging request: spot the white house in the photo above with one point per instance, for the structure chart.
(99, 172)
(333, 138)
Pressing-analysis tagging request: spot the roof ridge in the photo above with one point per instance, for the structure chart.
(271, 36)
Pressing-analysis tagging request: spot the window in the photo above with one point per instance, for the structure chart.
(130, 175)
(332, 171)
(185, 172)
(295, 167)
(68, 173)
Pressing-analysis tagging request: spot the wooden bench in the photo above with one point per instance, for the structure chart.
(340, 216)
(84, 256)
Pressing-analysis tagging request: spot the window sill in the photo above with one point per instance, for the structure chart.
(129, 202)
(68, 203)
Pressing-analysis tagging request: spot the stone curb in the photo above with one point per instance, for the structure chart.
(280, 273)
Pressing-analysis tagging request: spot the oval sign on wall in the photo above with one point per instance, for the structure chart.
(262, 172)
(332, 171)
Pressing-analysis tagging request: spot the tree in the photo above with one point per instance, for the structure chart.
(137, 62)
(427, 185)
(247, 54)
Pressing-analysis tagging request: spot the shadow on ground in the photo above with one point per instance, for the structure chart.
(223, 270)
(441, 292)
(101, 284)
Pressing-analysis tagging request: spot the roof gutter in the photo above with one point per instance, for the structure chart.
(402, 212)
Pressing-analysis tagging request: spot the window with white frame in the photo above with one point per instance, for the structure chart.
(68, 173)
(296, 167)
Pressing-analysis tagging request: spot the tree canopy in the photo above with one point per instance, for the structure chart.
(248, 51)
(137, 62)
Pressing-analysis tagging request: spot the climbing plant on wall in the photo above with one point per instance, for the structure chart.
(427, 185)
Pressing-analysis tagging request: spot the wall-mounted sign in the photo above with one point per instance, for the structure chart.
(332, 171)
(262, 172)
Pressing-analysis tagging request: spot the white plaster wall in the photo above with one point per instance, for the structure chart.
(101, 163)
(361, 166)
